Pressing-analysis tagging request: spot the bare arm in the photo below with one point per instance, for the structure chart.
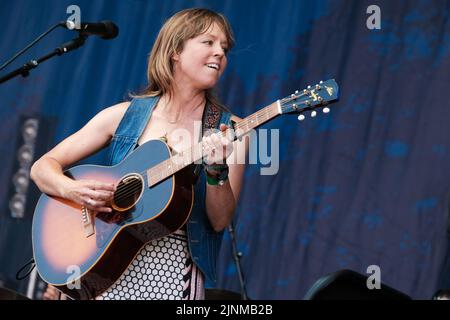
(47, 172)
(221, 201)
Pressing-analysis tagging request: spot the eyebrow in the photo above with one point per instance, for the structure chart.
(215, 37)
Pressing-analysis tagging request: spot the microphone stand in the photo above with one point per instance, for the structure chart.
(236, 257)
(25, 69)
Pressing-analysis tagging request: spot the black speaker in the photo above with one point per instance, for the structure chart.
(442, 294)
(350, 285)
(219, 294)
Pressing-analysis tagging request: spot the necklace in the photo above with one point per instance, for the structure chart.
(173, 122)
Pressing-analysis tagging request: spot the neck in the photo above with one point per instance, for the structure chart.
(182, 101)
(195, 153)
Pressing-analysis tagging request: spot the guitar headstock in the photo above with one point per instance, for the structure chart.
(311, 98)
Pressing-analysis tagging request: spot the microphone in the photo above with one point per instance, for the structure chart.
(103, 29)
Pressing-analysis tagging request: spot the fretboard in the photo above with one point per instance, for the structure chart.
(194, 154)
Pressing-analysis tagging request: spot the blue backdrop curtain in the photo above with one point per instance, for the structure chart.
(367, 184)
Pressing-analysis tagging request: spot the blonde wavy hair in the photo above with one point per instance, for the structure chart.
(182, 26)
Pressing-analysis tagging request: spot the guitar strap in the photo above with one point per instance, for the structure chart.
(211, 120)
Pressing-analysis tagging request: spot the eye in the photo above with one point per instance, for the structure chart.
(208, 42)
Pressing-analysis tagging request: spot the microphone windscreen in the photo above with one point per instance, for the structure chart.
(111, 30)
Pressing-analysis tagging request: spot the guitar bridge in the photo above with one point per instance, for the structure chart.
(87, 222)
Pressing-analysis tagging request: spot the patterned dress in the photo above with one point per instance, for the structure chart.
(162, 270)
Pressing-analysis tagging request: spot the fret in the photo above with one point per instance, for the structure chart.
(169, 167)
(257, 118)
(293, 103)
(181, 160)
(198, 152)
(187, 157)
(163, 170)
(175, 162)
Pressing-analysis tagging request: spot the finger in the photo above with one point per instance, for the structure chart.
(210, 132)
(206, 146)
(108, 187)
(99, 195)
(98, 206)
(103, 209)
(229, 133)
(208, 140)
(216, 151)
(87, 202)
(228, 146)
(216, 141)
(90, 203)
(105, 195)
(226, 142)
(47, 296)
(223, 149)
(50, 295)
(207, 158)
(97, 185)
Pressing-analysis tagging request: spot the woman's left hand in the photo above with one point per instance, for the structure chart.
(51, 293)
(216, 147)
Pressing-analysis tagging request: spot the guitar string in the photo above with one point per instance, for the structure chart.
(265, 111)
(135, 186)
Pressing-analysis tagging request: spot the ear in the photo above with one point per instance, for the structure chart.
(176, 57)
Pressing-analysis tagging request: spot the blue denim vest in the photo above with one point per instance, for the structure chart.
(204, 242)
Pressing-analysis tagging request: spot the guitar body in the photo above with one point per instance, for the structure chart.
(83, 253)
(83, 258)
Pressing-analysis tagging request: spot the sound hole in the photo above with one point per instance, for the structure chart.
(128, 192)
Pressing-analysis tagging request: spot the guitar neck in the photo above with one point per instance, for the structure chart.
(167, 168)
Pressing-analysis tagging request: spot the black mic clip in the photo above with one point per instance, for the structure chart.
(104, 29)
(71, 45)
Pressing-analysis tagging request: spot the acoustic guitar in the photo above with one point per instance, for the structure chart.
(83, 253)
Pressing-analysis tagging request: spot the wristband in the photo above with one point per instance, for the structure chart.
(217, 179)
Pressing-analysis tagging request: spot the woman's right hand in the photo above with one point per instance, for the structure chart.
(94, 195)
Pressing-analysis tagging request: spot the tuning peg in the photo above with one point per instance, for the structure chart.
(296, 91)
(313, 114)
(321, 82)
(309, 87)
(326, 110)
(301, 117)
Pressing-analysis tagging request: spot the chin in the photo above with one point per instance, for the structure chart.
(208, 84)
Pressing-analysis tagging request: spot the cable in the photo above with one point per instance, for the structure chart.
(23, 267)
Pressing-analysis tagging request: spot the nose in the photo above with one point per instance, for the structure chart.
(218, 50)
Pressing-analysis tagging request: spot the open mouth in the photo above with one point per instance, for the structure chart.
(213, 66)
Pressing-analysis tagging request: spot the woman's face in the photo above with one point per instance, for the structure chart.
(203, 59)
